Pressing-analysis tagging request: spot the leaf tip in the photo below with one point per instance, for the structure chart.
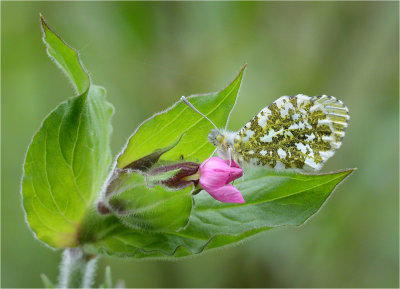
(344, 174)
(348, 172)
(45, 29)
(241, 71)
(43, 22)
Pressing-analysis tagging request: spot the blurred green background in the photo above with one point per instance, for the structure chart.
(149, 54)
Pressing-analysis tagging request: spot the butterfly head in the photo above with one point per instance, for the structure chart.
(216, 137)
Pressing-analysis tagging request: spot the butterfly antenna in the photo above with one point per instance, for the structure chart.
(185, 101)
(206, 161)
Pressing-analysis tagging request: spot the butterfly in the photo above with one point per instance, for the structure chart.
(294, 132)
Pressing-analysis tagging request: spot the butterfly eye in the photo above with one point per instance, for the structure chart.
(219, 138)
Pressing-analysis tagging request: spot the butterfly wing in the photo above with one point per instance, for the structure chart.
(294, 132)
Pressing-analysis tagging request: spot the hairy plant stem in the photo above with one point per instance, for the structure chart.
(77, 269)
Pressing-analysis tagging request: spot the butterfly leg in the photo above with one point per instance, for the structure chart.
(230, 159)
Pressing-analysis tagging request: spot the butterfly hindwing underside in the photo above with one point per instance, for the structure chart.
(293, 132)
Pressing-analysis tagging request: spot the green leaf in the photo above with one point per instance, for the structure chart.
(149, 208)
(273, 200)
(67, 161)
(66, 58)
(163, 129)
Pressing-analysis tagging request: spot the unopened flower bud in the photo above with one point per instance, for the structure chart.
(187, 174)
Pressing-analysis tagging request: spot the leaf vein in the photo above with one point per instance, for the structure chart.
(267, 201)
(48, 181)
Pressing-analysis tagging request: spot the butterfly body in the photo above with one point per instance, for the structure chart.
(294, 132)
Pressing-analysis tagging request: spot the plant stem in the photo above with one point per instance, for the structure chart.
(77, 269)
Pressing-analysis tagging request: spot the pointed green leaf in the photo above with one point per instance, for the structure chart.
(273, 200)
(65, 167)
(67, 161)
(66, 58)
(164, 128)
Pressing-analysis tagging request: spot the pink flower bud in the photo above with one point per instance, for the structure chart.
(215, 176)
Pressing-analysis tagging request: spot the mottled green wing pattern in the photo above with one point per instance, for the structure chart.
(294, 132)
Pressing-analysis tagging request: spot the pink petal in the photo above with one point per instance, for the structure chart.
(213, 179)
(234, 174)
(234, 164)
(214, 162)
(214, 173)
(227, 194)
